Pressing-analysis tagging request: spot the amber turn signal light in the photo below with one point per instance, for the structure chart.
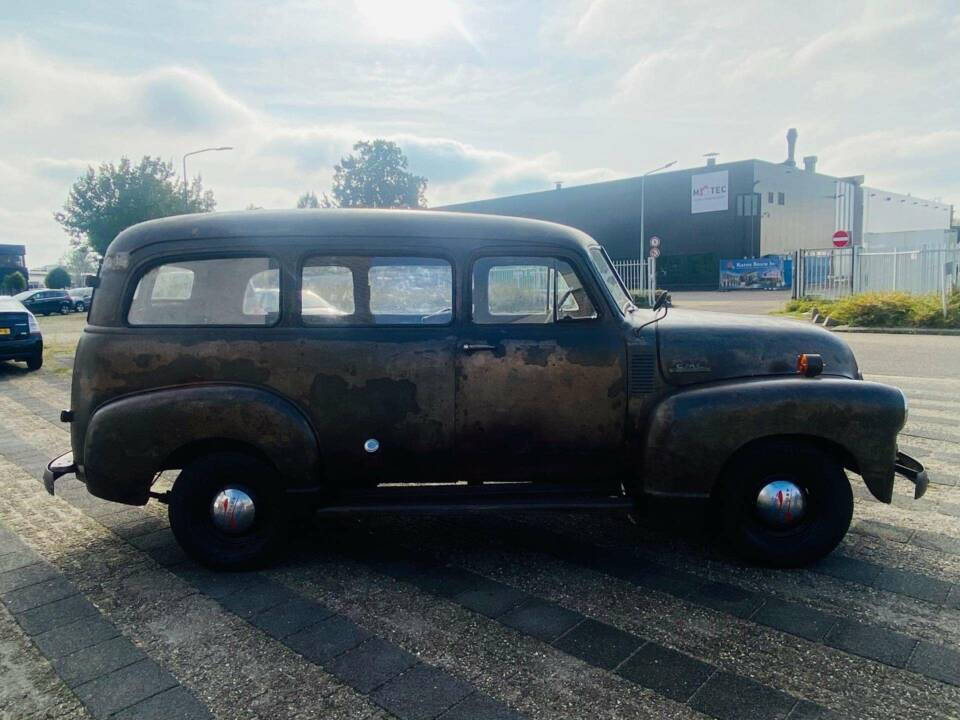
(809, 365)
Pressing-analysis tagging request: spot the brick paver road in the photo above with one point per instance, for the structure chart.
(536, 616)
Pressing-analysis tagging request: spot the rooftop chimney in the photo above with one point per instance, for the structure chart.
(810, 163)
(711, 161)
(558, 184)
(791, 147)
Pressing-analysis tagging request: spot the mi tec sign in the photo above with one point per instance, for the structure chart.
(708, 192)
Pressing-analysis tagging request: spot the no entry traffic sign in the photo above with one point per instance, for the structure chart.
(841, 238)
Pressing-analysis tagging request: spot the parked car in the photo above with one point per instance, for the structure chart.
(20, 336)
(81, 298)
(46, 302)
(455, 362)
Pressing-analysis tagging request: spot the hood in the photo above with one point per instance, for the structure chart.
(696, 347)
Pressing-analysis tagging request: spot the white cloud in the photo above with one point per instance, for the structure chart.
(91, 116)
(499, 97)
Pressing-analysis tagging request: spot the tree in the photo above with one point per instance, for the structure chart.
(377, 177)
(57, 279)
(79, 261)
(308, 201)
(14, 283)
(104, 202)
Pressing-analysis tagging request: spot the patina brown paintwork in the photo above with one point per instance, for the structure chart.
(658, 409)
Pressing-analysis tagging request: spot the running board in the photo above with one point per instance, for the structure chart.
(438, 500)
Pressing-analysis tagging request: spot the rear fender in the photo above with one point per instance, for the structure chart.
(130, 439)
(693, 433)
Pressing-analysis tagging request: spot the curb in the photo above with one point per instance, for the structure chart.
(896, 330)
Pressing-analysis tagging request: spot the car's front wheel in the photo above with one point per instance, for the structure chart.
(80, 307)
(227, 511)
(785, 504)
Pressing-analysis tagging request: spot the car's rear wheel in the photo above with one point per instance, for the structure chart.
(785, 504)
(80, 307)
(65, 309)
(227, 511)
(35, 361)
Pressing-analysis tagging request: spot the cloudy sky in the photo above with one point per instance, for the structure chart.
(486, 99)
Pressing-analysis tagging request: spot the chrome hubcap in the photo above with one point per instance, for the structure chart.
(232, 511)
(781, 504)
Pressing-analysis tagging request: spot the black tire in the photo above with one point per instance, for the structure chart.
(827, 495)
(65, 309)
(190, 512)
(79, 307)
(35, 362)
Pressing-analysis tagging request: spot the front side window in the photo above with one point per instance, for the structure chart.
(533, 290)
(215, 291)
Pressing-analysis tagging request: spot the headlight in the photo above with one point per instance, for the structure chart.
(33, 324)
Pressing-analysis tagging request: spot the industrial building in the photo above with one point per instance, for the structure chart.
(742, 209)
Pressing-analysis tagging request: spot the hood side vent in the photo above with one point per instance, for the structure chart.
(642, 368)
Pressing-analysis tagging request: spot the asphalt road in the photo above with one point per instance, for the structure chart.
(535, 616)
(741, 302)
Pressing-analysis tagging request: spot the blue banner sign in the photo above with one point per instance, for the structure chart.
(752, 274)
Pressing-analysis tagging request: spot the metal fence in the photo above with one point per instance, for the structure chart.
(835, 273)
(635, 274)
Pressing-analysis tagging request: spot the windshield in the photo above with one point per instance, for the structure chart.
(24, 295)
(610, 278)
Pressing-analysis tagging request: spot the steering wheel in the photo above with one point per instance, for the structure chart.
(436, 313)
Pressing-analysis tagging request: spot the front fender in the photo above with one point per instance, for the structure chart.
(693, 433)
(129, 439)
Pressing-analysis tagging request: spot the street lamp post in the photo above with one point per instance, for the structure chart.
(186, 183)
(651, 275)
(643, 203)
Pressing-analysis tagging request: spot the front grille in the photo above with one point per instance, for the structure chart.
(642, 367)
(17, 322)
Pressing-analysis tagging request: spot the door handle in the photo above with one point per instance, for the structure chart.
(474, 347)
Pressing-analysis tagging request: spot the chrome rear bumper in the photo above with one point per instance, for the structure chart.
(56, 468)
(913, 471)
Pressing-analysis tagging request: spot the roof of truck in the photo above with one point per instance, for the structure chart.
(346, 224)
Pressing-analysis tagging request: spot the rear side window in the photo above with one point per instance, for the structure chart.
(355, 290)
(216, 291)
(326, 293)
(410, 291)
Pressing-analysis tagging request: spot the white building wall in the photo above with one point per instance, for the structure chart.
(909, 240)
(887, 212)
(807, 217)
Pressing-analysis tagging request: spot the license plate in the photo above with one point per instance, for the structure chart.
(4, 331)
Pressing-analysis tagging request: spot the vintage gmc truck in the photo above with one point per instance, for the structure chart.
(371, 361)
